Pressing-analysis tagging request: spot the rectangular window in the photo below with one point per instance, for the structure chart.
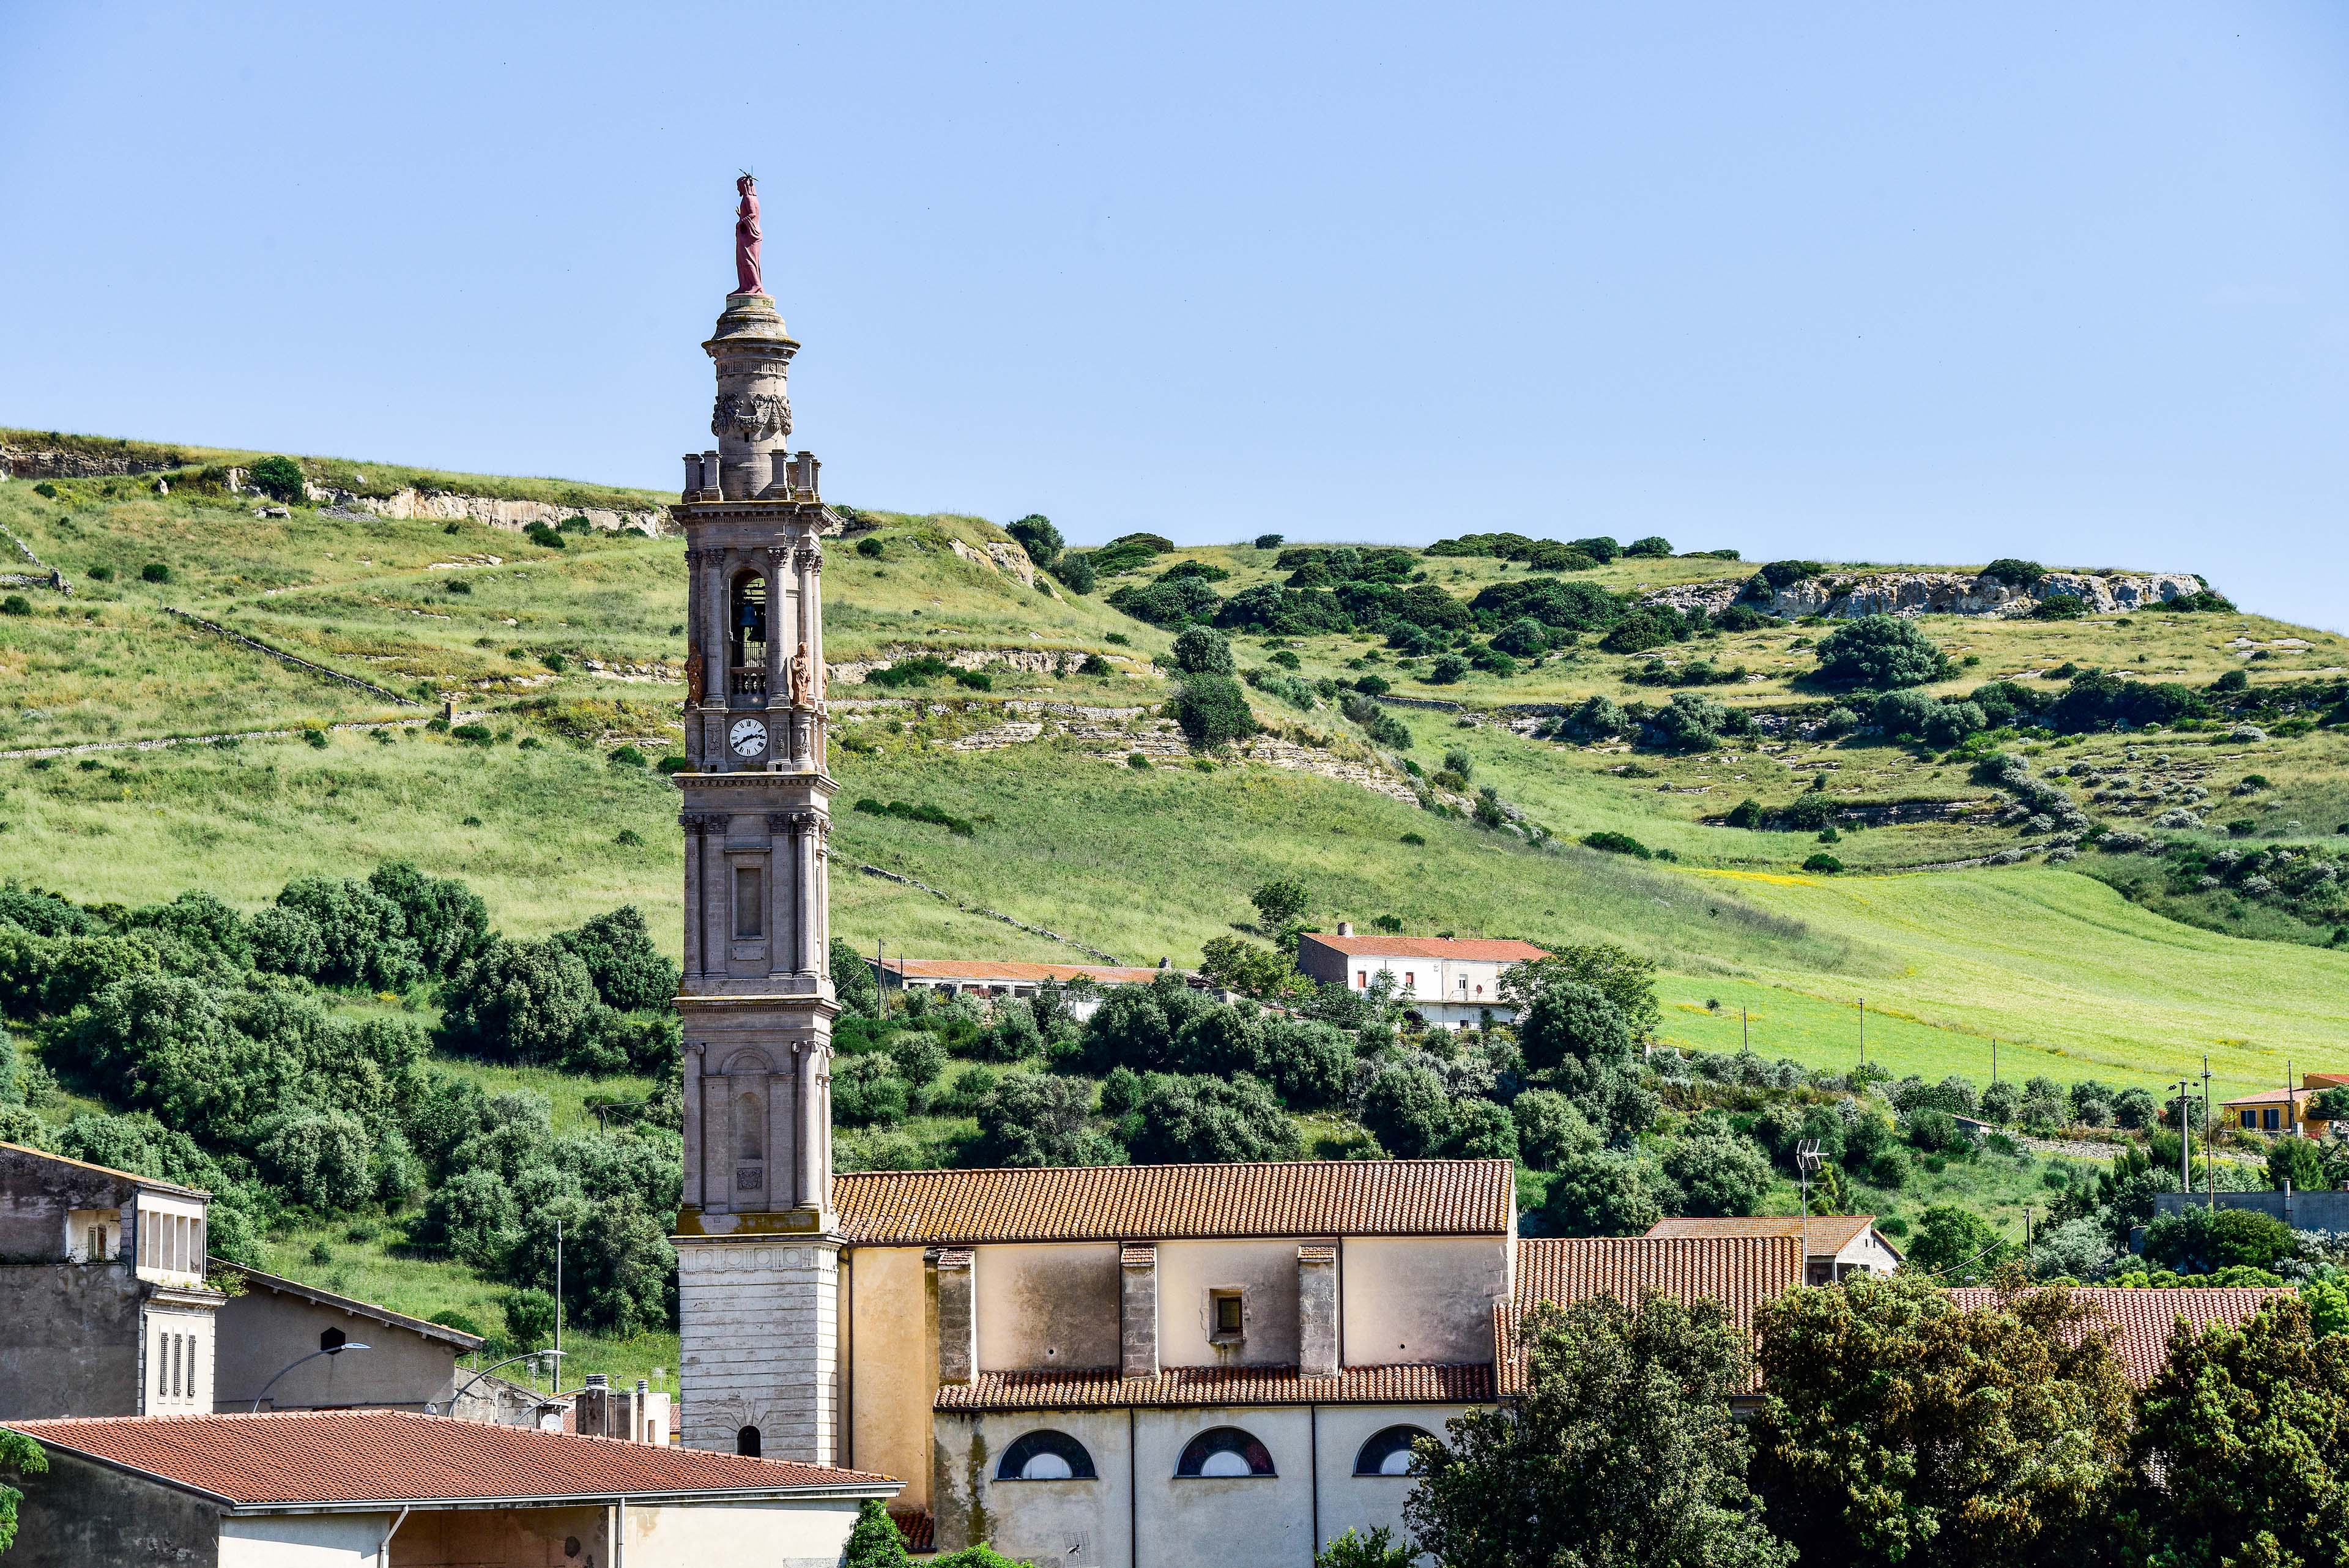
(1226, 1315)
(750, 911)
(1361, 979)
(97, 1243)
(2269, 1119)
(1409, 980)
(2246, 1120)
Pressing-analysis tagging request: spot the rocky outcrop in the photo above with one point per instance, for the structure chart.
(1034, 661)
(1935, 593)
(452, 506)
(41, 462)
(1004, 556)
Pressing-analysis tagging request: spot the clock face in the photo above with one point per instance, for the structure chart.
(747, 737)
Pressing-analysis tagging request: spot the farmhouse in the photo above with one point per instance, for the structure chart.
(987, 979)
(1447, 980)
(1839, 1244)
(2285, 1110)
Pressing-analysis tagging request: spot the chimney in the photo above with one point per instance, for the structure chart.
(956, 1297)
(1317, 1311)
(1137, 1310)
(1345, 928)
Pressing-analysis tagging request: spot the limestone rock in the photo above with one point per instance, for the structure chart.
(1936, 592)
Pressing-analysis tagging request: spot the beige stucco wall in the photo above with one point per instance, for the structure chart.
(1047, 1306)
(1240, 1522)
(304, 1540)
(1264, 1272)
(1365, 1502)
(1420, 1300)
(1867, 1251)
(718, 1535)
(1077, 1523)
(893, 1359)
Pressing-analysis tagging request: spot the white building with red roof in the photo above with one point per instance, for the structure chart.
(1453, 981)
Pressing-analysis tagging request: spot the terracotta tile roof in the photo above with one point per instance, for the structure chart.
(1830, 1234)
(255, 1278)
(1476, 950)
(396, 1455)
(1195, 1388)
(1160, 1202)
(1739, 1272)
(992, 971)
(918, 1527)
(2272, 1098)
(2140, 1321)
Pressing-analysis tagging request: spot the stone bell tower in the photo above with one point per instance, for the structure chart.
(757, 1258)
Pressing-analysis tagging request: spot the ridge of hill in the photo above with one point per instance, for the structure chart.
(2072, 962)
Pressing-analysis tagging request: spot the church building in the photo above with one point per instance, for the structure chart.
(1106, 1367)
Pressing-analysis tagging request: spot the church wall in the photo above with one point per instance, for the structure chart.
(1364, 1502)
(892, 1343)
(1080, 1523)
(1264, 1272)
(1047, 1306)
(1255, 1521)
(1420, 1300)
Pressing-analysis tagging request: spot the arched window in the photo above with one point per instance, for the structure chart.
(1224, 1452)
(1388, 1453)
(1046, 1456)
(749, 1132)
(746, 1442)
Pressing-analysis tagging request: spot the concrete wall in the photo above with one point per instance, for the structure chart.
(1137, 1514)
(1420, 1300)
(1047, 1306)
(262, 1332)
(39, 1191)
(2305, 1211)
(314, 1540)
(71, 1341)
(893, 1366)
(1264, 1272)
(79, 1514)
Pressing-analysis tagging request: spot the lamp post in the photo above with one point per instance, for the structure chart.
(330, 1342)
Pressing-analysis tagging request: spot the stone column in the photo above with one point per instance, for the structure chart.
(783, 899)
(958, 1299)
(691, 822)
(805, 896)
(1317, 1311)
(1137, 1310)
(777, 559)
(695, 1135)
(809, 1133)
(716, 663)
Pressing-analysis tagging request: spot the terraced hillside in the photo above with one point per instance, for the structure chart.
(558, 651)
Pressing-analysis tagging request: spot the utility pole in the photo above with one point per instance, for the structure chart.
(2185, 1140)
(2209, 1172)
(1863, 1032)
(558, 1306)
(1994, 1058)
(1745, 1030)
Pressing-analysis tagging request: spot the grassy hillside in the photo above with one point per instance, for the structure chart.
(564, 653)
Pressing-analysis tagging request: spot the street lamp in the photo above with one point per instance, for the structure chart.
(331, 1342)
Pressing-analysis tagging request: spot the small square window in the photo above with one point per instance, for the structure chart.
(1226, 1315)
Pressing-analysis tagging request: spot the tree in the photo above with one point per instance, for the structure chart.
(21, 1456)
(1037, 535)
(2201, 1241)
(279, 478)
(1136, 1025)
(1213, 711)
(1894, 1429)
(875, 1541)
(1721, 1174)
(629, 973)
(1280, 903)
(1957, 1243)
(1655, 546)
(1180, 1119)
(1202, 650)
(1622, 1452)
(1880, 652)
(1549, 1128)
(1623, 977)
(1038, 1120)
(852, 980)
(2298, 1161)
(1408, 1110)
(2242, 1452)
(446, 919)
(1238, 964)
(520, 1002)
(365, 935)
(1596, 1192)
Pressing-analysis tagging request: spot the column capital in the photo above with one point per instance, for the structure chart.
(696, 822)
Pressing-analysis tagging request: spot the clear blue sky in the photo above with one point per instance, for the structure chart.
(1865, 282)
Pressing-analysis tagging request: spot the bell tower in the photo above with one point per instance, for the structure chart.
(758, 1262)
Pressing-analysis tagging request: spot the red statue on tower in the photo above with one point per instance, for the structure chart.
(746, 237)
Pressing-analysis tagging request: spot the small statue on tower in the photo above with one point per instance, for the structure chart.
(746, 237)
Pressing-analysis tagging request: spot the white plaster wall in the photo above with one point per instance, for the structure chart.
(1867, 1251)
(303, 1541)
(199, 1369)
(1265, 1274)
(1239, 1522)
(1420, 1300)
(1364, 1502)
(714, 1535)
(1047, 1306)
(1075, 1523)
(758, 1345)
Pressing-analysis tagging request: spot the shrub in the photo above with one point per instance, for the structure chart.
(1135, 760)
(1881, 651)
(870, 546)
(15, 604)
(2061, 607)
(2015, 574)
(154, 572)
(2203, 1241)
(1184, 1120)
(1746, 813)
(628, 970)
(1617, 843)
(1524, 636)
(1721, 1174)
(1655, 546)
(1693, 722)
(1824, 863)
(279, 478)
(1036, 535)
(1202, 650)
(543, 536)
(533, 1003)
(1592, 719)
(1213, 711)
(363, 935)
(1447, 671)
(1075, 573)
(1598, 1193)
